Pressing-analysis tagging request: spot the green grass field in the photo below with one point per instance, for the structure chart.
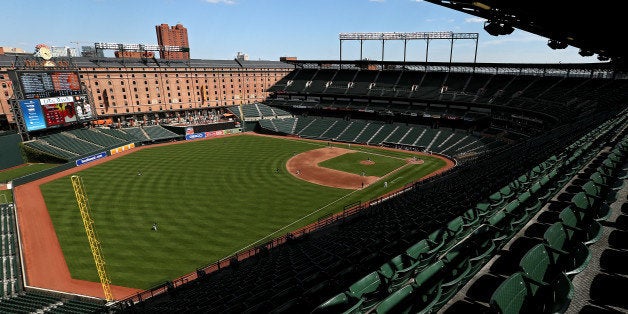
(13, 173)
(210, 199)
(10, 174)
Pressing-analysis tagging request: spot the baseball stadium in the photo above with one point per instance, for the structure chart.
(318, 186)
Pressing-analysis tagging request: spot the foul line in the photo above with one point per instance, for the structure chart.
(288, 225)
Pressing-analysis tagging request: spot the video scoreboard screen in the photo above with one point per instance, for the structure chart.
(39, 114)
(48, 84)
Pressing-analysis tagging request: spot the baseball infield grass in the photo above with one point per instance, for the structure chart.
(209, 198)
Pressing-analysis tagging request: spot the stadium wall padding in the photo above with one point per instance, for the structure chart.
(10, 153)
(44, 173)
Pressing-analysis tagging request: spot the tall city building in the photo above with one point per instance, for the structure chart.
(173, 36)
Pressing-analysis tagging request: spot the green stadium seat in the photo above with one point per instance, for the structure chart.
(438, 240)
(549, 281)
(507, 192)
(515, 186)
(496, 200)
(484, 210)
(456, 230)
(370, 288)
(583, 228)
(419, 296)
(597, 210)
(421, 251)
(520, 294)
(406, 265)
(517, 214)
(471, 219)
(401, 301)
(501, 226)
(456, 272)
(513, 296)
(524, 181)
(340, 303)
(483, 243)
(567, 251)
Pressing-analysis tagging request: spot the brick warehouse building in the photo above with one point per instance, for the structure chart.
(119, 87)
(173, 36)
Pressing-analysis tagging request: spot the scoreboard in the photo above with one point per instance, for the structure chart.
(47, 84)
(39, 114)
(49, 97)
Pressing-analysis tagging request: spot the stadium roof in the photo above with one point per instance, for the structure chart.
(8, 60)
(593, 27)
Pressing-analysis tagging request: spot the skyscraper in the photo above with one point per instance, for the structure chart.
(173, 36)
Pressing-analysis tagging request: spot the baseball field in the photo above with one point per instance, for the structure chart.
(212, 198)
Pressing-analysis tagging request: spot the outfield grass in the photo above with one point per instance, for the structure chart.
(13, 173)
(210, 199)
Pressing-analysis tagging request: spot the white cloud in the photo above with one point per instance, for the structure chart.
(416, 0)
(220, 1)
(474, 20)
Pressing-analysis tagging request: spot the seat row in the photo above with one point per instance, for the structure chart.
(543, 281)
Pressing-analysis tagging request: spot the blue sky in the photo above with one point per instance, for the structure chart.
(269, 29)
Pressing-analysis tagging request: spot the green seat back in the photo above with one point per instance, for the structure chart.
(506, 192)
(455, 226)
(367, 284)
(556, 237)
(582, 201)
(538, 265)
(598, 179)
(398, 302)
(512, 296)
(418, 250)
(470, 218)
(337, 304)
(535, 187)
(524, 196)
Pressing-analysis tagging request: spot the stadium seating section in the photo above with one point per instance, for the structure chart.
(524, 216)
(539, 93)
(442, 140)
(13, 298)
(73, 144)
(532, 221)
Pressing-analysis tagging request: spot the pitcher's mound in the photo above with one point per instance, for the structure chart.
(367, 162)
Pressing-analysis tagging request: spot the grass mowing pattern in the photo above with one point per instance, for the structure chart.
(10, 174)
(210, 198)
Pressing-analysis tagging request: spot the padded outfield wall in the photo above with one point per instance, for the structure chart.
(10, 154)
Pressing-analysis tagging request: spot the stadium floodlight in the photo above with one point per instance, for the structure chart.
(603, 58)
(105, 46)
(406, 36)
(151, 47)
(497, 28)
(132, 47)
(556, 44)
(585, 52)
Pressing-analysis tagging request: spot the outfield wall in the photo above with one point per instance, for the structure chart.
(10, 154)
